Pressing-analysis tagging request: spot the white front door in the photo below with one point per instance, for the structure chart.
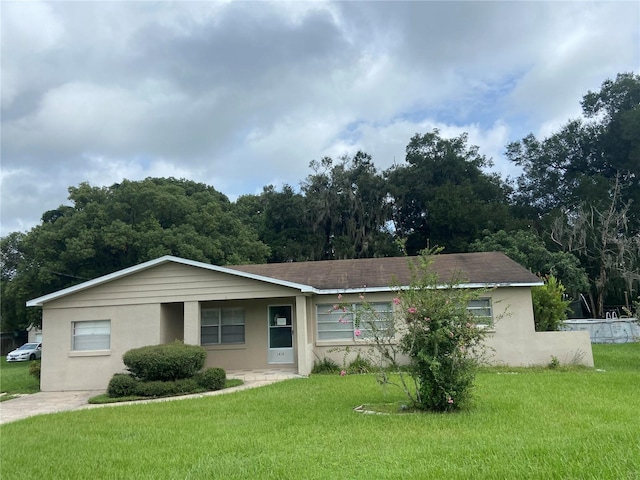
(281, 334)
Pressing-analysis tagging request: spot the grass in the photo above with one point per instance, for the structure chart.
(574, 424)
(15, 378)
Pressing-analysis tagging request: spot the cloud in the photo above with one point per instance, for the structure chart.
(242, 94)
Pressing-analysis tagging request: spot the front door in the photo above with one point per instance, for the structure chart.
(281, 334)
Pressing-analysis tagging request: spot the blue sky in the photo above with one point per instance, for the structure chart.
(240, 95)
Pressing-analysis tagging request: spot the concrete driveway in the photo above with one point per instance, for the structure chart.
(41, 403)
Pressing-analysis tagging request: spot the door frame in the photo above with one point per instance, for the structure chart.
(285, 355)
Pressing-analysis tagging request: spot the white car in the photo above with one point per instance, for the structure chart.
(28, 351)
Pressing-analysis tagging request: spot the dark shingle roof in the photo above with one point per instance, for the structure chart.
(475, 268)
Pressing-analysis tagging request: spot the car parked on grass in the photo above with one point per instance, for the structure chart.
(28, 351)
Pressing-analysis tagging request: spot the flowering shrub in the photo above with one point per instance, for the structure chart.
(434, 332)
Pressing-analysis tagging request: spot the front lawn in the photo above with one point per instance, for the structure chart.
(15, 378)
(579, 424)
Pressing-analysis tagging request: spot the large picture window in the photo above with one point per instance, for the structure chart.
(221, 326)
(341, 324)
(91, 335)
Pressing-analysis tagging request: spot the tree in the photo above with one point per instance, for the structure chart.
(528, 249)
(281, 220)
(348, 209)
(579, 163)
(106, 229)
(603, 240)
(442, 196)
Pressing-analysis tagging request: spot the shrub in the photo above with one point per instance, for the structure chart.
(326, 365)
(433, 327)
(549, 309)
(156, 388)
(188, 385)
(122, 385)
(212, 379)
(360, 365)
(165, 362)
(34, 369)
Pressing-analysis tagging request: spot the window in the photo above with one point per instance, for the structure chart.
(91, 335)
(481, 310)
(221, 325)
(340, 324)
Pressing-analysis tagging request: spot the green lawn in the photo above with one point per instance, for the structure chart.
(15, 378)
(538, 424)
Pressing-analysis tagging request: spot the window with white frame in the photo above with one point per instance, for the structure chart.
(221, 326)
(91, 335)
(480, 308)
(340, 324)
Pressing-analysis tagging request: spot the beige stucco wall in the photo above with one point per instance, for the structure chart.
(515, 342)
(138, 325)
(512, 340)
(171, 322)
(62, 369)
(253, 353)
(156, 306)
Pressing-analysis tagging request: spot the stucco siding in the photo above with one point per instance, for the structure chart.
(171, 322)
(171, 282)
(64, 369)
(512, 340)
(515, 341)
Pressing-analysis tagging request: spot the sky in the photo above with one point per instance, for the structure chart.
(240, 95)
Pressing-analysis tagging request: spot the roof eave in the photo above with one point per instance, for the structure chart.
(40, 301)
(336, 291)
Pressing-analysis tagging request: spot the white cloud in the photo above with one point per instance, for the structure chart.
(243, 94)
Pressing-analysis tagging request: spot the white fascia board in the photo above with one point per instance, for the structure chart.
(40, 301)
(343, 291)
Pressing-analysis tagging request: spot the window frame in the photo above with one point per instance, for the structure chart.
(478, 318)
(326, 315)
(220, 325)
(90, 324)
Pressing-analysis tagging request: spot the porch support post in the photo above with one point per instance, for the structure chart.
(192, 323)
(303, 347)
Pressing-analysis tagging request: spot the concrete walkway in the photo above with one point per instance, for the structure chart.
(41, 403)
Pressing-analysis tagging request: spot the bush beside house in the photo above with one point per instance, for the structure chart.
(164, 370)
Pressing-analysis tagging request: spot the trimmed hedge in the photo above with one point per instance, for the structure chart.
(211, 379)
(165, 370)
(168, 362)
(158, 388)
(122, 385)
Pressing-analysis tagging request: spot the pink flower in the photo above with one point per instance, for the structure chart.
(361, 297)
(357, 332)
(336, 307)
(342, 373)
(396, 301)
(339, 296)
(342, 320)
(449, 400)
(427, 319)
(412, 310)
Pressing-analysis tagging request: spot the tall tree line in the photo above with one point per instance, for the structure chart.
(574, 212)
